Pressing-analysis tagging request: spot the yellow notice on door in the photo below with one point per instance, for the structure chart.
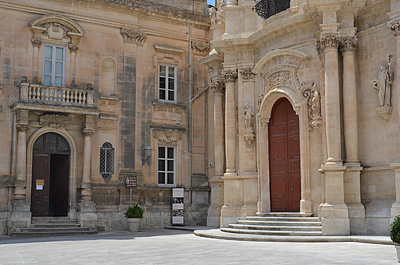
(39, 184)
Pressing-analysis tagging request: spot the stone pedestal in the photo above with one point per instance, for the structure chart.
(233, 200)
(86, 213)
(395, 211)
(216, 200)
(20, 216)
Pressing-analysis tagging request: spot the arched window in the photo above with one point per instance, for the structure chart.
(107, 161)
(51, 142)
(268, 8)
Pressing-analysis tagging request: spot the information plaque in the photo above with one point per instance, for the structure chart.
(177, 206)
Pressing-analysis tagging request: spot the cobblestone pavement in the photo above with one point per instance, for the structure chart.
(182, 247)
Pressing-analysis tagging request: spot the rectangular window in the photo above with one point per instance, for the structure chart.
(167, 83)
(54, 65)
(166, 165)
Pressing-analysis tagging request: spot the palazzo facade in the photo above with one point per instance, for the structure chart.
(306, 111)
(86, 87)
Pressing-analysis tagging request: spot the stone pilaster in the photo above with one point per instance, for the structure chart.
(20, 182)
(36, 42)
(73, 49)
(352, 184)
(87, 131)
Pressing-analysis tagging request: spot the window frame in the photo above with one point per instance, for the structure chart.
(53, 68)
(167, 83)
(107, 174)
(165, 184)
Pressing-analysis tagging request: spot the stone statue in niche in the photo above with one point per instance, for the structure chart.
(383, 84)
(311, 93)
(248, 116)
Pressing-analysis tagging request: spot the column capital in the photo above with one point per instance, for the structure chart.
(328, 42)
(218, 87)
(73, 47)
(22, 127)
(36, 42)
(348, 44)
(88, 131)
(247, 74)
(230, 76)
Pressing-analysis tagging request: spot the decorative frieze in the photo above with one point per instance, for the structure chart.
(168, 137)
(279, 78)
(55, 121)
(200, 48)
(383, 84)
(133, 36)
(247, 74)
(230, 76)
(311, 93)
(248, 117)
(329, 41)
(348, 44)
(218, 87)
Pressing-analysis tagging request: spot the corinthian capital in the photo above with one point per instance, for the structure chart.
(348, 44)
(395, 27)
(329, 41)
(218, 87)
(230, 76)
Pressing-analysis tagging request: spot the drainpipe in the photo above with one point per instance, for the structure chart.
(189, 119)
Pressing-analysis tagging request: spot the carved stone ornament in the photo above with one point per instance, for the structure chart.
(248, 116)
(55, 121)
(395, 27)
(348, 44)
(279, 78)
(36, 42)
(200, 48)
(247, 74)
(56, 30)
(218, 87)
(311, 93)
(383, 84)
(330, 41)
(217, 14)
(133, 36)
(230, 76)
(168, 137)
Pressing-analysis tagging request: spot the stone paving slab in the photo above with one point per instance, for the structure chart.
(218, 234)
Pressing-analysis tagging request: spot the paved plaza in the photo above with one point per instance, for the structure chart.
(183, 247)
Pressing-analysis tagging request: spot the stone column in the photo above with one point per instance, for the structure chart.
(20, 183)
(35, 67)
(352, 185)
(230, 122)
(334, 212)
(216, 183)
(73, 48)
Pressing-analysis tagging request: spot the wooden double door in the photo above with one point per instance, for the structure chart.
(50, 173)
(284, 158)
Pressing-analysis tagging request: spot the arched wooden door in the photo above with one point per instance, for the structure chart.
(50, 175)
(284, 158)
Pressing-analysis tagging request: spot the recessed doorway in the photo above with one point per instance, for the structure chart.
(50, 176)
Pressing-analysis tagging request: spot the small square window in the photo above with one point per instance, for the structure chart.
(167, 83)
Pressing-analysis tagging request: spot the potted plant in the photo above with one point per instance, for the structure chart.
(133, 216)
(395, 235)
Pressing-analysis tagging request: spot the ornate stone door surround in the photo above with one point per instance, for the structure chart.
(73, 169)
(277, 78)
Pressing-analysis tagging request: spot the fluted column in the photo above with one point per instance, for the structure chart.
(352, 188)
(20, 183)
(87, 131)
(230, 122)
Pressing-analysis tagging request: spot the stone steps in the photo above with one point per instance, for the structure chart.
(278, 224)
(53, 226)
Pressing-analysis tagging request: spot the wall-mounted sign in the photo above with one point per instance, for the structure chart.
(131, 181)
(39, 184)
(177, 206)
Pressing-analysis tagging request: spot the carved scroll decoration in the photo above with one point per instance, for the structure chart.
(310, 91)
(200, 48)
(133, 36)
(55, 121)
(168, 137)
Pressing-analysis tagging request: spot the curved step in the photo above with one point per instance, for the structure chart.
(282, 223)
(276, 228)
(51, 233)
(280, 218)
(276, 233)
(286, 214)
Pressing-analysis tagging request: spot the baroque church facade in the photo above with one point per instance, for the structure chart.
(306, 112)
(87, 89)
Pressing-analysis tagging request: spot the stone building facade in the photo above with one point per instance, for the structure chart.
(306, 111)
(86, 86)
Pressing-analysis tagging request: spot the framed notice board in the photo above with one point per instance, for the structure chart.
(177, 206)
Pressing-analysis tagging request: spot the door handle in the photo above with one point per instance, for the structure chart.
(291, 189)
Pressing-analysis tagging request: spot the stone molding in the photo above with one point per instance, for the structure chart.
(55, 121)
(168, 137)
(329, 41)
(88, 131)
(200, 48)
(247, 74)
(348, 44)
(133, 36)
(230, 76)
(218, 87)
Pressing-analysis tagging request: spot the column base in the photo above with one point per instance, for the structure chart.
(86, 213)
(230, 215)
(86, 193)
(20, 216)
(306, 206)
(335, 220)
(395, 210)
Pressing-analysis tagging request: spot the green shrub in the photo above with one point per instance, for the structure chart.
(395, 230)
(134, 212)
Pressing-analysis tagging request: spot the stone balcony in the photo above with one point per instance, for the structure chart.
(57, 99)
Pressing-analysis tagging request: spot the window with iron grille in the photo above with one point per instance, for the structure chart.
(166, 165)
(167, 83)
(268, 8)
(106, 161)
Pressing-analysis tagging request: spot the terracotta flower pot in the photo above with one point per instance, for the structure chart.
(134, 224)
